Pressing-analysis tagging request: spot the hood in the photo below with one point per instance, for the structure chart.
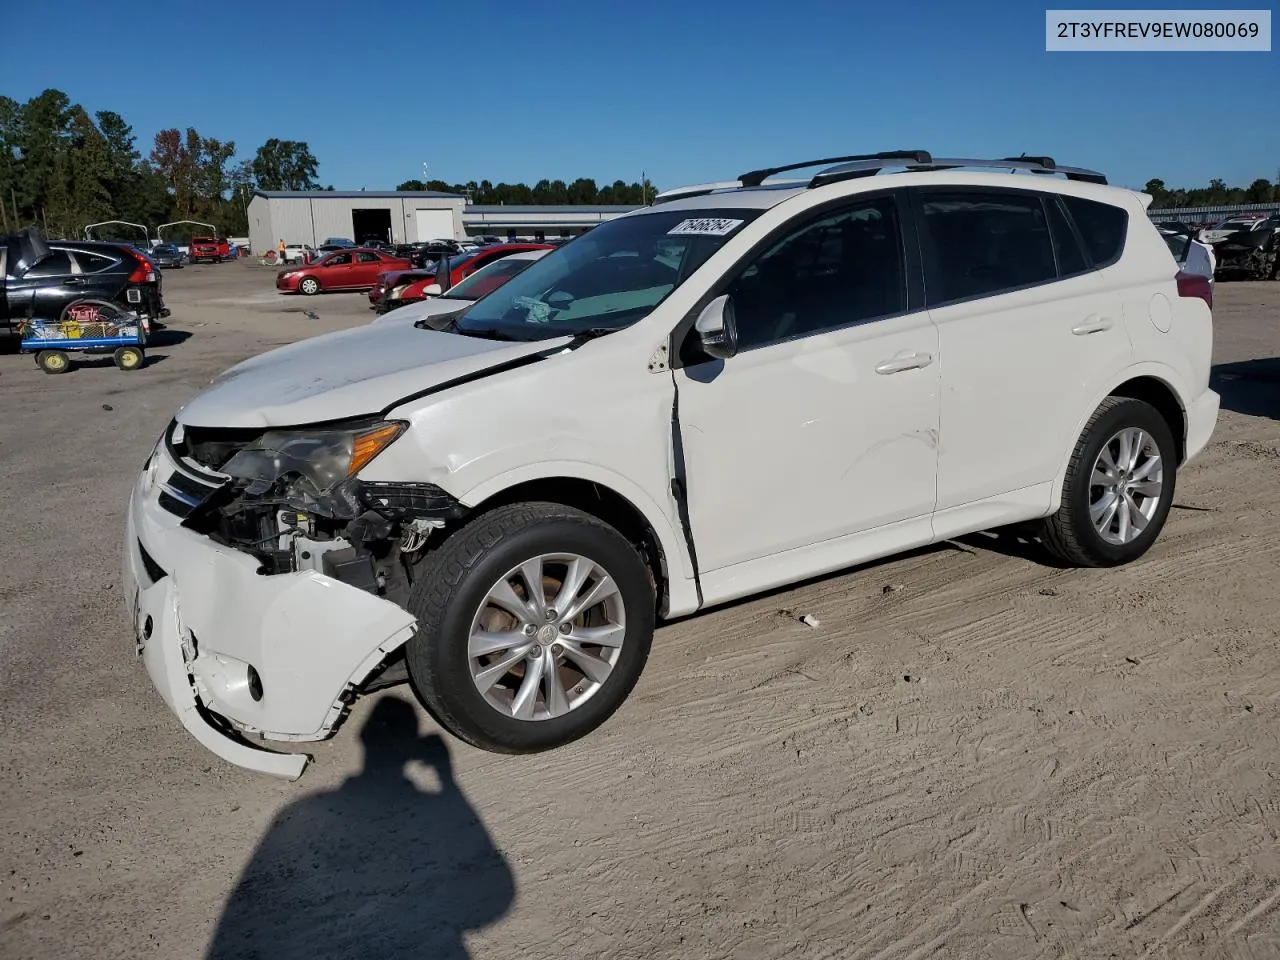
(346, 374)
(411, 313)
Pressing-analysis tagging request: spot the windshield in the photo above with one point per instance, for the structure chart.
(609, 278)
(487, 279)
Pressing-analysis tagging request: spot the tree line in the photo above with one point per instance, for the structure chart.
(62, 168)
(1217, 194)
(582, 191)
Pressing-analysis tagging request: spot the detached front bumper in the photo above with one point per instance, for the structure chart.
(235, 653)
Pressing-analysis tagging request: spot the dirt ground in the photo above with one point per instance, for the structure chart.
(974, 755)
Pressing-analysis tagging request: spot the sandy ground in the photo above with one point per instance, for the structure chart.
(974, 755)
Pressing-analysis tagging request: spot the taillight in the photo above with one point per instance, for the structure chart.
(1195, 285)
(144, 272)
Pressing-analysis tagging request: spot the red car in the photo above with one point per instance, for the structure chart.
(354, 269)
(208, 248)
(395, 289)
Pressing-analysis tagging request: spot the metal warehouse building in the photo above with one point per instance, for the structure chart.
(312, 216)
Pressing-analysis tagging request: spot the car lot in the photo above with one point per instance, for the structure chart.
(973, 752)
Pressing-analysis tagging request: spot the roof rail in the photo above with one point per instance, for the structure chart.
(754, 178)
(870, 167)
(693, 190)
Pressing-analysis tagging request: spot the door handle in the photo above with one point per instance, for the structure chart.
(1093, 325)
(73, 282)
(898, 364)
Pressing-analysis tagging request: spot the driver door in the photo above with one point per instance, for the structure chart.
(337, 271)
(815, 446)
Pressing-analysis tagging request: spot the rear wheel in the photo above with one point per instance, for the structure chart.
(309, 285)
(53, 361)
(129, 358)
(1118, 488)
(535, 623)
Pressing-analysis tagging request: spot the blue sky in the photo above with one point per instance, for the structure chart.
(687, 91)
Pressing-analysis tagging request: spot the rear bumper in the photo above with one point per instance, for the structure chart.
(1202, 418)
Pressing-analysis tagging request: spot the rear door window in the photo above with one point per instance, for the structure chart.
(57, 264)
(979, 244)
(1101, 226)
(368, 258)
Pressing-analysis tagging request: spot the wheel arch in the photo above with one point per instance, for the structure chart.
(604, 499)
(1152, 383)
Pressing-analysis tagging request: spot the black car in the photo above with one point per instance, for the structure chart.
(40, 280)
(166, 256)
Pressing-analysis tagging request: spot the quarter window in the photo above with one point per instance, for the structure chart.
(1102, 227)
(981, 244)
(93, 262)
(845, 268)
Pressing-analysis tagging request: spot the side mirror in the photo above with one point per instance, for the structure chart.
(717, 328)
(442, 274)
(432, 290)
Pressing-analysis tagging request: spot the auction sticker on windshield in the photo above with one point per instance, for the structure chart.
(705, 227)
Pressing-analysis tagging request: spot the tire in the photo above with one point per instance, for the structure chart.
(309, 286)
(129, 358)
(53, 361)
(1070, 534)
(451, 595)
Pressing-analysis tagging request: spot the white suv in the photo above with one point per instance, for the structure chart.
(703, 399)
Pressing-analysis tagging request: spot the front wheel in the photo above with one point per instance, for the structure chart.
(1118, 488)
(309, 286)
(534, 624)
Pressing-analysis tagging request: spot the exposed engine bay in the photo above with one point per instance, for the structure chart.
(291, 499)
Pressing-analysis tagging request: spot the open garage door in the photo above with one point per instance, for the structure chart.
(370, 225)
(434, 224)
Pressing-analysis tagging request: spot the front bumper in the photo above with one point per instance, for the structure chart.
(203, 616)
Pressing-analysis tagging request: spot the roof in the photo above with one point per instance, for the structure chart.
(356, 194)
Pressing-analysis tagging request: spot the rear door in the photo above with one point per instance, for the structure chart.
(367, 267)
(104, 276)
(1026, 331)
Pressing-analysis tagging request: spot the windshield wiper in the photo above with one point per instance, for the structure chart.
(591, 333)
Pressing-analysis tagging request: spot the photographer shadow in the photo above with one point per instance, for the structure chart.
(375, 868)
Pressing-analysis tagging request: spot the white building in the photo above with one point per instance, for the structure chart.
(313, 216)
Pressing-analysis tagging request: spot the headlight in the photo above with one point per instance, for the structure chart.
(288, 273)
(397, 292)
(319, 459)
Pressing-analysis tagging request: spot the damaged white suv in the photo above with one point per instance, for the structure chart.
(738, 387)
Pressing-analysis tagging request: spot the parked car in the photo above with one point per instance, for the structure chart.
(1252, 254)
(42, 279)
(166, 256)
(833, 372)
(299, 252)
(211, 249)
(354, 269)
(397, 289)
(1191, 256)
(1224, 228)
(342, 242)
(481, 283)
